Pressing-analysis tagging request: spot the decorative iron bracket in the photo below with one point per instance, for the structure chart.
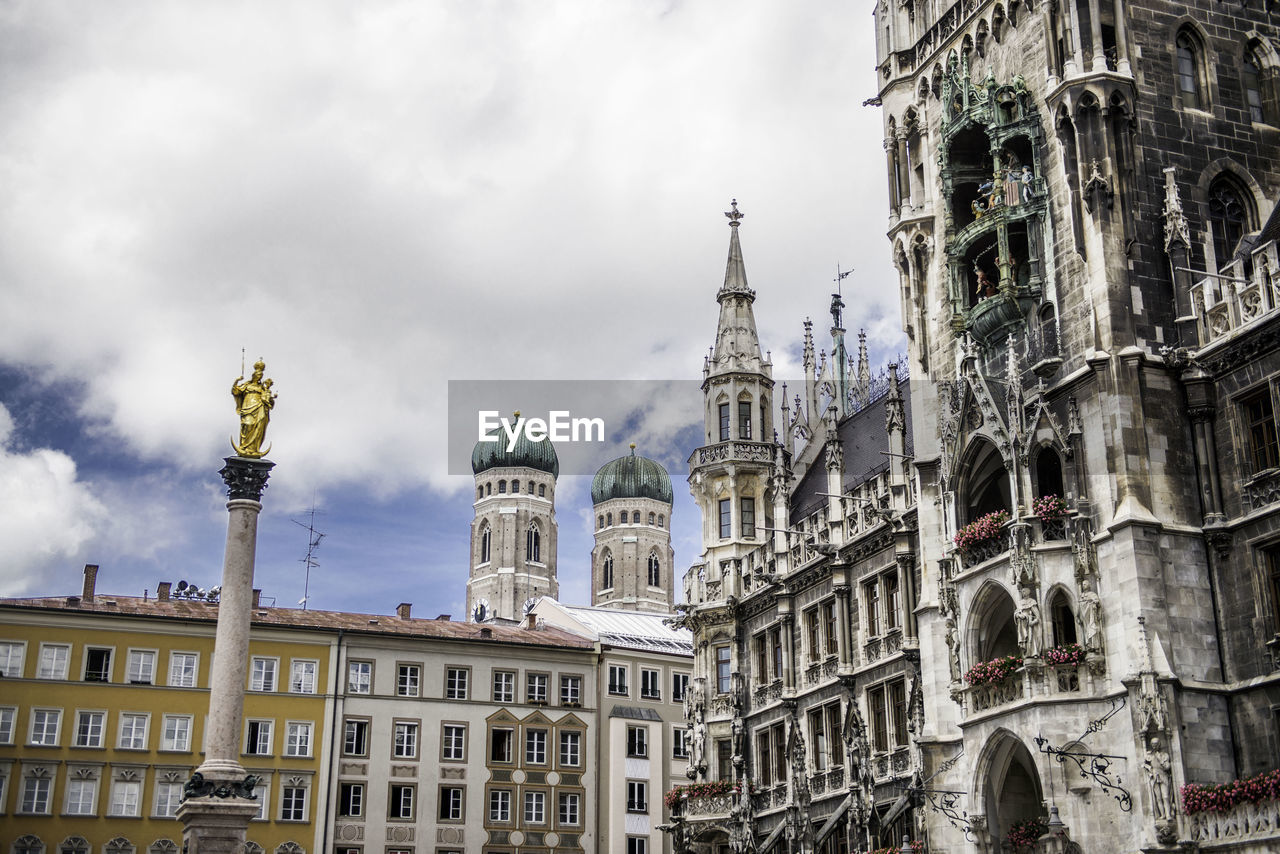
(1095, 765)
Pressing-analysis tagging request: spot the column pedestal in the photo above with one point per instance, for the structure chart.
(218, 799)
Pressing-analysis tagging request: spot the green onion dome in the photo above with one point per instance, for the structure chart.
(631, 477)
(527, 453)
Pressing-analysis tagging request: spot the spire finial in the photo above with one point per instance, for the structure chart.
(735, 216)
(633, 448)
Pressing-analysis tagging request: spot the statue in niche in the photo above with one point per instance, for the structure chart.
(953, 650)
(1090, 616)
(1028, 183)
(1157, 767)
(986, 287)
(1027, 618)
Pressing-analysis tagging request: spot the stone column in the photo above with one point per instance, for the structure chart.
(218, 799)
(1122, 39)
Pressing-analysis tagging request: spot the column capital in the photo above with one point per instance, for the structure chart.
(245, 477)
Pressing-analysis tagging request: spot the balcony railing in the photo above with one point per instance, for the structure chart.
(985, 551)
(980, 698)
(1232, 300)
(1247, 823)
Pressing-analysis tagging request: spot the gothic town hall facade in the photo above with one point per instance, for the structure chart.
(1021, 591)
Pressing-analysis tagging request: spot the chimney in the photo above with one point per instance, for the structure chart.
(444, 618)
(90, 581)
(162, 591)
(403, 609)
(257, 596)
(486, 632)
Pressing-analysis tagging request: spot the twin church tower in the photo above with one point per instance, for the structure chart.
(513, 536)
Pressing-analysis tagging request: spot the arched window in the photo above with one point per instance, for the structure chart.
(515, 486)
(488, 489)
(1048, 473)
(985, 482)
(659, 520)
(1187, 70)
(600, 521)
(163, 846)
(1251, 81)
(533, 544)
(502, 487)
(28, 845)
(74, 845)
(486, 536)
(1229, 217)
(655, 573)
(606, 571)
(1063, 619)
(252, 848)
(479, 492)
(1048, 332)
(635, 518)
(542, 490)
(119, 845)
(650, 519)
(290, 847)
(608, 520)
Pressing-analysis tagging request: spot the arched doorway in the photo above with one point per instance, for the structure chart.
(1009, 785)
(983, 482)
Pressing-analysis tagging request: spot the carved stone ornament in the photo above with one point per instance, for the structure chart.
(199, 787)
(246, 478)
(1176, 229)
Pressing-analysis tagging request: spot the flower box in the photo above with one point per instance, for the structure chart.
(1223, 797)
(1066, 655)
(1050, 508)
(1023, 835)
(704, 790)
(991, 672)
(982, 530)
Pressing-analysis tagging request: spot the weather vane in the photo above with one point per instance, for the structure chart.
(254, 402)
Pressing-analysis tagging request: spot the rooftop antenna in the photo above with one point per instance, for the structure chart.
(313, 545)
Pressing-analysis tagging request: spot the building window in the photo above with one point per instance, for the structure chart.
(1260, 429)
(637, 845)
(89, 727)
(679, 743)
(638, 742)
(570, 748)
(168, 796)
(455, 683)
(486, 539)
(1272, 556)
(570, 809)
(775, 643)
(400, 804)
(606, 571)
(1229, 218)
(533, 544)
(293, 803)
(504, 686)
(408, 680)
(82, 797)
(570, 690)
(182, 669)
(35, 795)
(679, 684)
(500, 805)
(359, 677)
(892, 602)
(257, 738)
(12, 656)
(451, 801)
(176, 733)
(405, 745)
(303, 678)
(537, 687)
(97, 665)
(724, 422)
(879, 719)
(260, 794)
(44, 726)
(53, 661)
(723, 674)
(351, 799)
(7, 714)
(542, 490)
(502, 487)
(660, 520)
(1251, 81)
(355, 738)
(501, 745)
(126, 796)
(453, 743)
(832, 631)
(818, 739)
(748, 518)
(297, 738)
(535, 807)
(726, 520)
(142, 667)
(813, 631)
(1188, 70)
(262, 674)
(655, 570)
(618, 679)
(651, 684)
(535, 747)
(871, 594)
(637, 796)
(744, 419)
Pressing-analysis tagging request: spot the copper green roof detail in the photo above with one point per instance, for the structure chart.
(631, 477)
(526, 454)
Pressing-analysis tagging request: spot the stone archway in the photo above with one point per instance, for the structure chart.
(1008, 784)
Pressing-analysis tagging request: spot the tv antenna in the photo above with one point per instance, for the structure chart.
(313, 545)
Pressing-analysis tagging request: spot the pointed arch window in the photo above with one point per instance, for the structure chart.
(1229, 217)
(486, 537)
(1251, 81)
(1064, 619)
(655, 570)
(1187, 70)
(533, 544)
(606, 571)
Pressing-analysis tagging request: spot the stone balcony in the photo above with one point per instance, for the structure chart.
(1232, 302)
(1032, 681)
(733, 451)
(1244, 828)
(707, 807)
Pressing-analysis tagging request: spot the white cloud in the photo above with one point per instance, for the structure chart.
(46, 514)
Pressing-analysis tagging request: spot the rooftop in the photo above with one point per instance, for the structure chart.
(630, 629)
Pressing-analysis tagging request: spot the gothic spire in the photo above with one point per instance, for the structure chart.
(737, 344)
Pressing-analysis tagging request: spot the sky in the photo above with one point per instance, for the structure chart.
(376, 199)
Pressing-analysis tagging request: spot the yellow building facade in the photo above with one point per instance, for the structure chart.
(103, 702)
